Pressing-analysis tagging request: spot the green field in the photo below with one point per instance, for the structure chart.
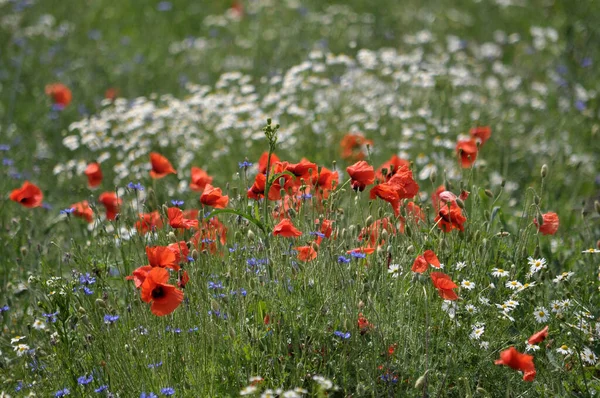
(432, 203)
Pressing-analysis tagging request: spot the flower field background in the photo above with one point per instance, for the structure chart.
(299, 198)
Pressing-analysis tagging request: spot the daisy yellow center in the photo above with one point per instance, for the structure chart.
(564, 347)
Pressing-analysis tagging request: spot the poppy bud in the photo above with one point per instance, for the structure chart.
(23, 251)
(85, 320)
(172, 237)
(597, 206)
(232, 333)
(282, 192)
(81, 310)
(384, 234)
(407, 230)
(410, 249)
(389, 249)
(433, 176)
(195, 254)
(544, 171)
(361, 305)
(251, 235)
(369, 221)
(489, 193)
(351, 229)
(442, 244)
(343, 233)
(460, 203)
(101, 303)
(315, 246)
(380, 212)
(165, 209)
(282, 181)
(421, 381)
(346, 324)
(214, 305)
(540, 220)
(484, 243)
(536, 199)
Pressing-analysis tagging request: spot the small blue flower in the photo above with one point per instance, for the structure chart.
(167, 391)
(586, 62)
(343, 260)
(4, 309)
(215, 286)
(19, 386)
(101, 388)
(319, 234)
(8, 162)
(4, 147)
(177, 203)
(343, 335)
(155, 365)
(305, 196)
(136, 187)
(84, 380)
(51, 318)
(110, 319)
(164, 6)
(87, 291)
(149, 395)
(63, 392)
(245, 164)
(194, 329)
(87, 279)
(67, 211)
(190, 259)
(358, 254)
(580, 105)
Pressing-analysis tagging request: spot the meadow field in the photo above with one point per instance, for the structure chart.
(300, 198)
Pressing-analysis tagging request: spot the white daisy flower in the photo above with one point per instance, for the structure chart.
(556, 306)
(526, 285)
(591, 250)
(470, 309)
(499, 272)
(477, 332)
(248, 390)
(564, 349)
(536, 264)
(541, 314)
(16, 339)
(467, 284)
(565, 276)
(484, 345)
(588, 356)
(21, 349)
(460, 265)
(38, 324)
(531, 347)
(513, 285)
(394, 270)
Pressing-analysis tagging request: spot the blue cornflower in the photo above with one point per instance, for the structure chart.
(343, 260)
(245, 164)
(168, 391)
(63, 392)
(4, 147)
(84, 380)
(87, 279)
(177, 203)
(215, 286)
(358, 254)
(8, 162)
(110, 319)
(101, 388)
(87, 291)
(19, 386)
(580, 105)
(155, 365)
(136, 187)
(343, 335)
(305, 196)
(4, 309)
(67, 211)
(46, 206)
(51, 317)
(164, 6)
(194, 329)
(149, 395)
(319, 234)
(586, 62)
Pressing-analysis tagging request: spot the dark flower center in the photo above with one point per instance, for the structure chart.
(158, 292)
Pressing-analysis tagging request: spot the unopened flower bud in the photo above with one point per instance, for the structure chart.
(315, 246)
(165, 209)
(100, 303)
(172, 237)
(489, 193)
(410, 249)
(536, 199)
(540, 219)
(433, 176)
(361, 305)
(232, 333)
(544, 171)
(421, 381)
(251, 235)
(460, 203)
(195, 254)
(369, 221)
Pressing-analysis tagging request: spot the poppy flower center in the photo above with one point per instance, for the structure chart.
(158, 292)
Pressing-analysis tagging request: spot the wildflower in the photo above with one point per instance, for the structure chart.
(112, 204)
(286, 229)
(323, 383)
(342, 335)
(529, 347)
(391, 166)
(94, 174)
(84, 380)
(324, 181)
(513, 285)
(177, 220)
(4, 308)
(588, 356)
(148, 222)
(343, 260)
(467, 284)
(564, 349)
(60, 94)
(565, 276)
(536, 265)
(245, 164)
(460, 265)
(481, 133)
(21, 349)
(304, 170)
(364, 325)
(264, 159)
(167, 391)
(444, 285)
(199, 179)
(38, 324)
(499, 273)
(136, 187)
(477, 332)
(102, 388)
(83, 210)
(470, 309)
(51, 317)
(214, 197)
(62, 393)
(394, 270)
(591, 250)
(538, 337)
(248, 390)
(518, 361)
(111, 93)
(149, 395)
(427, 258)
(161, 166)
(467, 152)
(550, 225)
(362, 174)
(110, 319)
(450, 217)
(257, 190)
(352, 146)
(29, 195)
(16, 339)
(164, 298)
(306, 253)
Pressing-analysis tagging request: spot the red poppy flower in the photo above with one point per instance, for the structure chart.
(180, 249)
(481, 133)
(450, 217)
(518, 361)
(199, 179)
(162, 256)
(138, 276)
(387, 192)
(257, 191)
(94, 174)
(112, 203)
(149, 222)
(539, 336)
(60, 94)
(301, 170)
(262, 162)
(413, 213)
(403, 182)
(290, 186)
(444, 285)
(326, 229)
(362, 174)
(467, 152)
(352, 146)
(421, 263)
(111, 93)
(83, 210)
(550, 225)
(176, 219)
(365, 250)
(161, 166)
(29, 195)
(286, 229)
(324, 181)
(163, 298)
(373, 232)
(364, 325)
(214, 197)
(306, 253)
(391, 166)
(435, 197)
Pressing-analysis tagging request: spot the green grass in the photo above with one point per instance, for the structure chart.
(414, 78)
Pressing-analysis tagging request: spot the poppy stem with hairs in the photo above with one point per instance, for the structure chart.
(271, 134)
